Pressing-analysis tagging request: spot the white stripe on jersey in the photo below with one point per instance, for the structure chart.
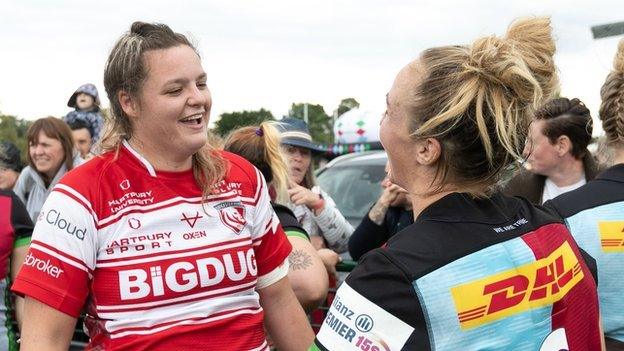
(183, 310)
(146, 305)
(164, 256)
(79, 197)
(262, 347)
(185, 322)
(259, 182)
(60, 257)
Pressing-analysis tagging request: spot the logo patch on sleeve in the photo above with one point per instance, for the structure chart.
(611, 236)
(514, 291)
(355, 323)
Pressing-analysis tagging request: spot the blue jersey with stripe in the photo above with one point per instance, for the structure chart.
(470, 274)
(594, 214)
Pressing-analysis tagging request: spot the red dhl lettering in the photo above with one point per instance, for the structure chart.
(533, 285)
(611, 236)
(183, 276)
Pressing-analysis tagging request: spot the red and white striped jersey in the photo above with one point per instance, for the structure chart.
(157, 269)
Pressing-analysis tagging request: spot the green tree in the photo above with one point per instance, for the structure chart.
(14, 129)
(346, 105)
(230, 121)
(319, 122)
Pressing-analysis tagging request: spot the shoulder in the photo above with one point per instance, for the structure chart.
(86, 178)
(8, 194)
(239, 167)
(593, 194)
(241, 175)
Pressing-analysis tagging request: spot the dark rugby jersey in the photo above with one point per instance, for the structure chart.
(495, 274)
(594, 214)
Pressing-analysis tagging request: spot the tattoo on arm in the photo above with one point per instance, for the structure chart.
(299, 260)
(377, 213)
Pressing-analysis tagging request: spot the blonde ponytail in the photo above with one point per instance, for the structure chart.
(478, 100)
(261, 146)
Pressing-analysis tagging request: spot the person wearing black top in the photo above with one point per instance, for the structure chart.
(477, 270)
(595, 212)
(390, 213)
(15, 232)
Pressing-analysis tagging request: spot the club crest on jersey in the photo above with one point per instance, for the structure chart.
(232, 215)
(125, 184)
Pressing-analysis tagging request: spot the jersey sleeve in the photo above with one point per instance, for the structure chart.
(61, 258)
(20, 220)
(270, 243)
(374, 309)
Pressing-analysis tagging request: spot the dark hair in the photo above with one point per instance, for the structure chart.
(571, 118)
(79, 124)
(53, 128)
(10, 156)
(126, 70)
(478, 101)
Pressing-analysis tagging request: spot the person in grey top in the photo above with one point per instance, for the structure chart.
(313, 207)
(51, 154)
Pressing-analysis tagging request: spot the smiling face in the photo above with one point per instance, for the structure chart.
(170, 115)
(46, 154)
(395, 126)
(299, 160)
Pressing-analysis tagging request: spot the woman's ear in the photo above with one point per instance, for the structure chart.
(128, 104)
(428, 151)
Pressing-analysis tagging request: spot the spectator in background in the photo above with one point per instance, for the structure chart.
(86, 102)
(313, 207)
(595, 212)
(15, 232)
(556, 152)
(10, 165)
(391, 213)
(50, 155)
(307, 272)
(83, 137)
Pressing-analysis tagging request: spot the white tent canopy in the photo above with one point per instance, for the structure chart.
(357, 126)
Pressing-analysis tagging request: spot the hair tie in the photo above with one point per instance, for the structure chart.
(259, 132)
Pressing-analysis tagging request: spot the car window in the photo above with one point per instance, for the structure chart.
(354, 188)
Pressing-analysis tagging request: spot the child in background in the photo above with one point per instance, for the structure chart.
(86, 102)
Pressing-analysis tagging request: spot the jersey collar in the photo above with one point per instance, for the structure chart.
(614, 173)
(143, 160)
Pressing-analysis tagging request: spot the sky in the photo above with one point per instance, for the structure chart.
(272, 53)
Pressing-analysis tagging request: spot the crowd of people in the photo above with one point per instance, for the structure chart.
(496, 227)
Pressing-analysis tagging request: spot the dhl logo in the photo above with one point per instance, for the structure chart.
(533, 285)
(611, 236)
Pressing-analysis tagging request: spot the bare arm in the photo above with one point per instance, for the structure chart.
(307, 274)
(17, 258)
(284, 318)
(378, 212)
(46, 329)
